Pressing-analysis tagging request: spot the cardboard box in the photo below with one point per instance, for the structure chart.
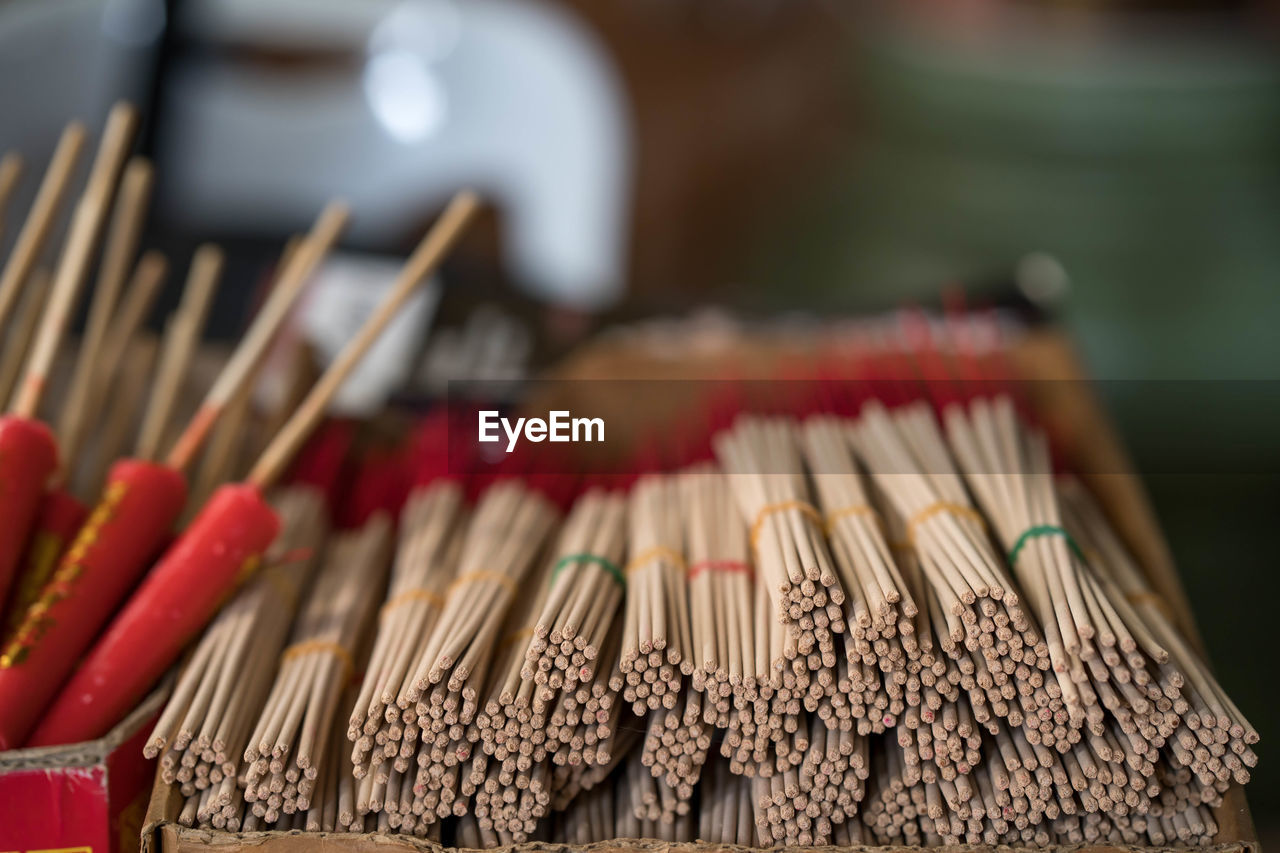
(1068, 408)
(84, 797)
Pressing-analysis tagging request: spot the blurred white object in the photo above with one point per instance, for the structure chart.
(513, 97)
(491, 346)
(339, 298)
(62, 61)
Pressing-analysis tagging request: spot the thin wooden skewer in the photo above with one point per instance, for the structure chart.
(79, 406)
(429, 254)
(136, 362)
(10, 172)
(180, 340)
(82, 239)
(295, 275)
(44, 210)
(228, 449)
(22, 330)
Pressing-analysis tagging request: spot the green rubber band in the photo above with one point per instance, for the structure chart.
(1037, 531)
(603, 562)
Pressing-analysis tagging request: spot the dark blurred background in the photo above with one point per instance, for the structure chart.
(1114, 165)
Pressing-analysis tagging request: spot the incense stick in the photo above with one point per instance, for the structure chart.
(44, 210)
(83, 398)
(82, 240)
(182, 334)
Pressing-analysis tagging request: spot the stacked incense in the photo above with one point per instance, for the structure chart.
(874, 630)
(793, 564)
(1213, 739)
(1108, 663)
(721, 597)
(292, 741)
(658, 647)
(206, 725)
(432, 712)
(430, 533)
(986, 631)
(880, 642)
(542, 737)
(735, 635)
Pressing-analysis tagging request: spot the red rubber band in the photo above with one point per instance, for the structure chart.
(719, 566)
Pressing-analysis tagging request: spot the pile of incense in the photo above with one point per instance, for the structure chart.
(890, 626)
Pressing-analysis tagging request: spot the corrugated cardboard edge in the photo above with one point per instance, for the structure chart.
(172, 838)
(1045, 356)
(88, 753)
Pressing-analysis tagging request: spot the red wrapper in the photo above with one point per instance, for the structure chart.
(111, 550)
(28, 455)
(178, 597)
(61, 515)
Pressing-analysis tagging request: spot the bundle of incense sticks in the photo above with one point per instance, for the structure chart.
(986, 629)
(726, 815)
(735, 635)
(1213, 739)
(721, 598)
(880, 643)
(492, 719)
(430, 533)
(206, 725)
(939, 733)
(552, 706)
(757, 724)
(293, 740)
(572, 653)
(1106, 658)
(585, 592)
(657, 643)
(439, 699)
(642, 804)
(793, 560)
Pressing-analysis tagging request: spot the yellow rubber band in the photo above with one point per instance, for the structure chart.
(657, 552)
(284, 587)
(845, 512)
(515, 636)
(476, 577)
(316, 647)
(1151, 598)
(415, 594)
(949, 507)
(806, 509)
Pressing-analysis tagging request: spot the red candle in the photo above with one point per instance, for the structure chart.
(61, 514)
(28, 456)
(178, 597)
(121, 536)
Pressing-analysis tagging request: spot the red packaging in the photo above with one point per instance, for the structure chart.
(116, 544)
(174, 603)
(28, 456)
(82, 797)
(60, 517)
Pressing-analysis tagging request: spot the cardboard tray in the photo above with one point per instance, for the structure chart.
(1080, 432)
(85, 797)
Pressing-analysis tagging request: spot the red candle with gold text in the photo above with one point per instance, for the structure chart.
(117, 542)
(222, 544)
(59, 519)
(28, 456)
